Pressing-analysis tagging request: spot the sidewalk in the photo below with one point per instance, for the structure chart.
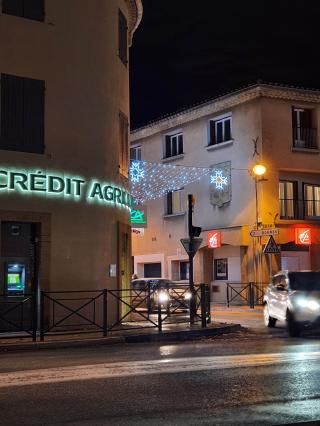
(174, 333)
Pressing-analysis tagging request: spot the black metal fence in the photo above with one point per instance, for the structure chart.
(18, 316)
(245, 293)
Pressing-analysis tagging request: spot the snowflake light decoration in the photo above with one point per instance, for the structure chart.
(218, 179)
(136, 172)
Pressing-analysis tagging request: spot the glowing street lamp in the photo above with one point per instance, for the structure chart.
(259, 170)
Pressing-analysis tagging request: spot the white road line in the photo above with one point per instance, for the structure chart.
(162, 366)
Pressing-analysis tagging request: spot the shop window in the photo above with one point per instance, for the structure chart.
(288, 200)
(124, 144)
(174, 203)
(312, 200)
(29, 9)
(221, 269)
(135, 153)
(220, 130)
(173, 145)
(123, 38)
(22, 114)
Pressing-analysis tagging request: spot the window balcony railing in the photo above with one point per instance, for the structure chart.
(299, 209)
(304, 137)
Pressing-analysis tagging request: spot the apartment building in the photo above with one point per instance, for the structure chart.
(269, 124)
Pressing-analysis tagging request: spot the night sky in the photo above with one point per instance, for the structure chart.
(188, 51)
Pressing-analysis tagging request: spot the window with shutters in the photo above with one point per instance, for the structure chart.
(304, 131)
(124, 144)
(288, 199)
(123, 38)
(220, 130)
(22, 114)
(173, 145)
(29, 9)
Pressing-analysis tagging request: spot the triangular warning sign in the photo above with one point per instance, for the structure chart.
(271, 247)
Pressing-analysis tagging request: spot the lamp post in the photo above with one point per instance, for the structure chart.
(258, 172)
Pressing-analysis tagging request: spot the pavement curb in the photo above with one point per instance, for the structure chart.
(166, 336)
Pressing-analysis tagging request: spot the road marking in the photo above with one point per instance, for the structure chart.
(162, 366)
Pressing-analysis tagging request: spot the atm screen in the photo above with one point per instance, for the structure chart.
(15, 275)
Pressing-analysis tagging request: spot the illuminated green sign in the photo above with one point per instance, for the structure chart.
(139, 217)
(64, 186)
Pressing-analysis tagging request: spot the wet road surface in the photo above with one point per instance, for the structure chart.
(256, 376)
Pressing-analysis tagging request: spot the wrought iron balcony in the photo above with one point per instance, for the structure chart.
(291, 209)
(304, 137)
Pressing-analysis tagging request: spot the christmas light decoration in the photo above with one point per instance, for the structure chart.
(150, 181)
(218, 179)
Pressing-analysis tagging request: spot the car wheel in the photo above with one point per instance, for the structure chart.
(294, 328)
(268, 321)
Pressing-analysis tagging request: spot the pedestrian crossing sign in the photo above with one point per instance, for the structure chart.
(271, 247)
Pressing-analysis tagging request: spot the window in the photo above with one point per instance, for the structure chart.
(221, 269)
(304, 134)
(174, 203)
(22, 114)
(184, 270)
(173, 145)
(288, 199)
(220, 130)
(124, 144)
(312, 200)
(30, 9)
(135, 153)
(123, 38)
(152, 270)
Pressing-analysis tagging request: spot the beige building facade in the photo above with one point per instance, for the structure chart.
(64, 197)
(273, 125)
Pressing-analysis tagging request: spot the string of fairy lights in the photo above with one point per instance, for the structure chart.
(150, 181)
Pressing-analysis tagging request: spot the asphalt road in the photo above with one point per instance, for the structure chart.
(255, 376)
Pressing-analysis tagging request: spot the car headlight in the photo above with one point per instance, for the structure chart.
(313, 305)
(187, 295)
(163, 297)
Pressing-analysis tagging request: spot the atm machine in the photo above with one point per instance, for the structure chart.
(15, 279)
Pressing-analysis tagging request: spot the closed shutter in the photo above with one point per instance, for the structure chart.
(33, 100)
(123, 38)
(13, 7)
(168, 147)
(169, 203)
(34, 9)
(12, 117)
(212, 134)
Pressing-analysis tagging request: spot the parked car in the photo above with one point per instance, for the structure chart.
(294, 297)
(148, 292)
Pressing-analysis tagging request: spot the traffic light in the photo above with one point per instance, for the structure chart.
(196, 231)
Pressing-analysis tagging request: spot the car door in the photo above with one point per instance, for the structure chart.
(273, 297)
(281, 296)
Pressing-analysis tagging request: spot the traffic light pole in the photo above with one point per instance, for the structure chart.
(191, 255)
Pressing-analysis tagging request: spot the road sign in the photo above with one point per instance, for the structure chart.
(271, 247)
(191, 249)
(264, 232)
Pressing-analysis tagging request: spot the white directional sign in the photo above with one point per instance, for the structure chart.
(271, 247)
(264, 232)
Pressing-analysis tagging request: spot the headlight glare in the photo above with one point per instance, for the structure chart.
(187, 295)
(163, 297)
(313, 305)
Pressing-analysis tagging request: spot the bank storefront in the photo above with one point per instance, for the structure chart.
(60, 231)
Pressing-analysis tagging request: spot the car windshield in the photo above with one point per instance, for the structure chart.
(306, 281)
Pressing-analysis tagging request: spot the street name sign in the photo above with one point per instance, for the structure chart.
(264, 232)
(191, 248)
(271, 247)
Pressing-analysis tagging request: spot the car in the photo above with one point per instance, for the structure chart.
(148, 292)
(294, 297)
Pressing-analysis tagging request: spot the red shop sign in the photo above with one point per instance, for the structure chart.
(303, 236)
(214, 239)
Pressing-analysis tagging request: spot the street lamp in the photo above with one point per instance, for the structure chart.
(258, 172)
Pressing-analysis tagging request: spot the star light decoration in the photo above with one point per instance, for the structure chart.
(219, 180)
(150, 181)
